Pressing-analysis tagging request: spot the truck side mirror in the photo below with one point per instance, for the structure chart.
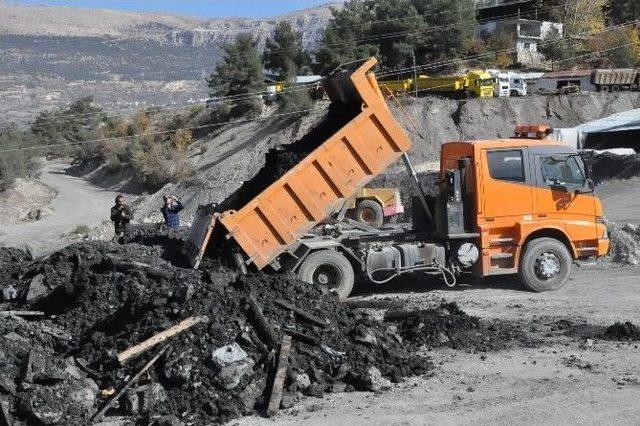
(588, 188)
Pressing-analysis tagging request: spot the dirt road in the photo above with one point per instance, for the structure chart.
(77, 203)
(563, 381)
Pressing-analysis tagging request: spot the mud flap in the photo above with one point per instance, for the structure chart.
(201, 230)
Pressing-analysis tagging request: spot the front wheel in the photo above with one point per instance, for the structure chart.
(545, 265)
(328, 268)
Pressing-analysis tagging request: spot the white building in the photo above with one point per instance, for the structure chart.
(527, 34)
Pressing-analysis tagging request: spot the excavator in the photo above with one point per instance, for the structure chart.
(523, 206)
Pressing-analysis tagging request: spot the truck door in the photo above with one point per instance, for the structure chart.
(507, 188)
(559, 179)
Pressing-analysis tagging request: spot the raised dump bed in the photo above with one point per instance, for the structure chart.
(272, 222)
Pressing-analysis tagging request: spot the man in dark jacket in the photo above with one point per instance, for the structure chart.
(120, 216)
(170, 211)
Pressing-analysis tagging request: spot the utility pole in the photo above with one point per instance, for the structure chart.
(415, 72)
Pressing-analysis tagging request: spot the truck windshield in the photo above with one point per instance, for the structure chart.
(484, 82)
(563, 170)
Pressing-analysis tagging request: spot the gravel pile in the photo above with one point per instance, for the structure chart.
(625, 243)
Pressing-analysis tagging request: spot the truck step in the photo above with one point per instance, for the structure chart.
(501, 256)
(500, 241)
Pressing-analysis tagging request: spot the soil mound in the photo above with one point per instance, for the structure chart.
(625, 243)
(622, 331)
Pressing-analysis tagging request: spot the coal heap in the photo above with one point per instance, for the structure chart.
(281, 159)
(101, 298)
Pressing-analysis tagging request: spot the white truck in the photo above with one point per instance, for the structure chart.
(517, 84)
(501, 85)
(508, 83)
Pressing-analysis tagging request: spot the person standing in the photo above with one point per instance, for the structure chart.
(120, 216)
(171, 211)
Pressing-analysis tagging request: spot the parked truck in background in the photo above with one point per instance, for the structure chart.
(517, 84)
(510, 206)
(615, 80)
(473, 84)
(508, 83)
(501, 86)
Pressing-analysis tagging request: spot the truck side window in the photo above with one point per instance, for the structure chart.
(562, 170)
(506, 165)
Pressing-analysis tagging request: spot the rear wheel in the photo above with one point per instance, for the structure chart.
(370, 212)
(328, 268)
(545, 265)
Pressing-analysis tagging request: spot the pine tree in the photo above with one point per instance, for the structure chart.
(284, 52)
(238, 73)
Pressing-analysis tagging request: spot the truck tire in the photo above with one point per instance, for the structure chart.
(329, 268)
(545, 265)
(370, 212)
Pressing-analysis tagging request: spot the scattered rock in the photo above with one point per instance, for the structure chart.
(443, 338)
(228, 354)
(315, 390)
(144, 399)
(302, 381)
(374, 381)
(364, 335)
(230, 376)
(37, 289)
(9, 293)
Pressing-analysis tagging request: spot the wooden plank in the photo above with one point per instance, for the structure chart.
(22, 313)
(5, 416)
(134, 351)
(133, 380)
(304, 314)
(281, 374)
(261, 324)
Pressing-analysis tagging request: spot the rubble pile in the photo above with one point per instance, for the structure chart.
(449, 326)
(625, 243)
(99, 300)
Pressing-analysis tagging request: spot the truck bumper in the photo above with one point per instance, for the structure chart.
(603, 246)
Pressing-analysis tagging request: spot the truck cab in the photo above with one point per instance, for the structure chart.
(529, 201)
(480, 84)
(501, 84)
(517, 85)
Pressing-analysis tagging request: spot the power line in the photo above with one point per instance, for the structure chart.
(512, 50)
(382, 36)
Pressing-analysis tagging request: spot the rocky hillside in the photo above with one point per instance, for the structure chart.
(51, 56)
(164, 28)
(225, 159)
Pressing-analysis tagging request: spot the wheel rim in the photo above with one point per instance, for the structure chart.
(367, 215)
(327, 275)
(547, 266)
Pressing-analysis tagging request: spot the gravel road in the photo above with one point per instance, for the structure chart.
(561, 382)
(77, 203)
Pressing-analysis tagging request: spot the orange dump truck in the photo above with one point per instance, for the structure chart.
(514, 206)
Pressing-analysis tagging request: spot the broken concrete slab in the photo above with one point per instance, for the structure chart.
(230, 376)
